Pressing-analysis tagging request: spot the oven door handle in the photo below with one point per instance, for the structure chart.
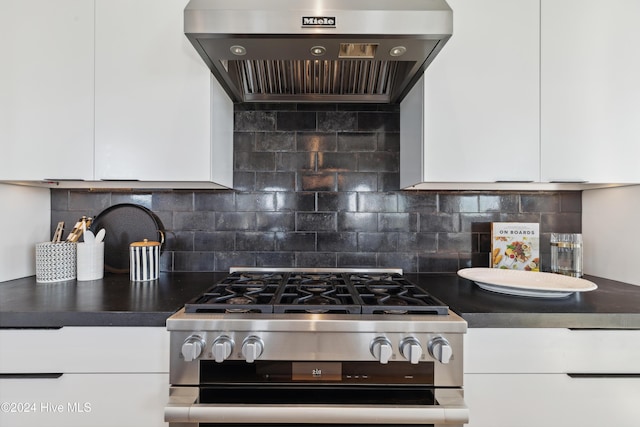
(183, 409)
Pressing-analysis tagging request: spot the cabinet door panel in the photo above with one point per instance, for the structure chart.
(602, 351)
(590, 100)
(46, 89)
(553, 400)
(152, 94)
(515, 350)
(551, 350)
(97, 400)
(84, 349)
(482, 95)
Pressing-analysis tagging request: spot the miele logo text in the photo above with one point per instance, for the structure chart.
(318, 21)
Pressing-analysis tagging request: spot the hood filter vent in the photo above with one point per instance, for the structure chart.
(318, 50)
(324, 79)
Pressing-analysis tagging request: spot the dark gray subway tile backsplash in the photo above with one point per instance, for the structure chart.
(317, 186)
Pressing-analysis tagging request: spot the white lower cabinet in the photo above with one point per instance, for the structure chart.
(552, 400)
(84, 376)
(552, 377)
(84, 400)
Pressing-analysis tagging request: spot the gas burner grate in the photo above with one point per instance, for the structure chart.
(316, 293)
(238, 293)
(392, 294)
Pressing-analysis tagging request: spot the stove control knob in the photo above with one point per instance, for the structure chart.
(381, 349)
(252, 348)
(411, 350)
(192, 348)
(222, 348)
(440, 349)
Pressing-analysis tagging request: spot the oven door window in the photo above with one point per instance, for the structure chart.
(319, 383)
(312, 425)
(316, 394)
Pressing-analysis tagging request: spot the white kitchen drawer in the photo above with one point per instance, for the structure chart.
(84, 349)
(82, 400)
(551, 350)
(551, 400)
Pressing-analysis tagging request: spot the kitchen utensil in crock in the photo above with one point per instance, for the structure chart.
(127, 223)
(89, 237)
(83, 224)
(100, 235)
(57, 236)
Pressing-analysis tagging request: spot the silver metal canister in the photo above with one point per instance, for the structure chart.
(144, 261)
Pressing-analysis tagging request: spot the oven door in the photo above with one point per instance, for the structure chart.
(316, 394)
(449, 409)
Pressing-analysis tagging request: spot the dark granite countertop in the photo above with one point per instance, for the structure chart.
(112, 301)
(115, 301)
(613, 305)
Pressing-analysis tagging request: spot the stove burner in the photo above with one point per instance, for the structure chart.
(254, 282)
(246, 288)
(241, 300)
(315, 286)
(313, 292)
(384, 277)
(393, 301)
(316, 292)
(390, 293)
(262, 277)
(383, 287)
(236, 294)
(393, 295)
(319, 300)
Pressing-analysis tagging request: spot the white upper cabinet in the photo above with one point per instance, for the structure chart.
(155, 98)
(46, 89)
(590, 102)
(475, 117)
(93, 92)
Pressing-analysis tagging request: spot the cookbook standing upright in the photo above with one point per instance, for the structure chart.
(515, 246)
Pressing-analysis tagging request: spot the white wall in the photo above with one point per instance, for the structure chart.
(611, 233)
(25, 216)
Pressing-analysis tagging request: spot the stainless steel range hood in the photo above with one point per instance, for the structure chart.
(318, 50)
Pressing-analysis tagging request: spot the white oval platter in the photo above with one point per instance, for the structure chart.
(526, 283)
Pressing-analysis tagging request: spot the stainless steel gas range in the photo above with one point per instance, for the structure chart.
(316, 347)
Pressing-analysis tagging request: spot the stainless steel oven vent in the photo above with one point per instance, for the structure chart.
(318, 50)
(323, 80)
